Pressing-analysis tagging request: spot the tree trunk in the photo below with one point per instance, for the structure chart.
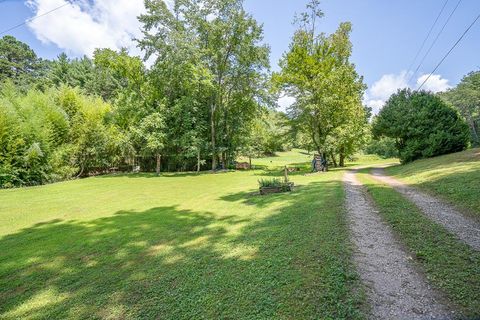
(198, 160)
(342, 157)
(224, 166)
(342, 160)
(334, 161)
(325, 168)
(214, 151)
(159, 163)
(250, 162)
(475, 132)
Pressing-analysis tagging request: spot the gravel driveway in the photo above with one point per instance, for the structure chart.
(395, 289)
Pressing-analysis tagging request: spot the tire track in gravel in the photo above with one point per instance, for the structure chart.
(395, 289)
(465, 229)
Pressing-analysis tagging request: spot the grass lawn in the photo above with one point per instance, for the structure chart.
(454, 177)
(180, 246)
(450, 265)
(302, 159)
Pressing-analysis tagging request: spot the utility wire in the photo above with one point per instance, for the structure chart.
(428, 36)
(31, 19)
(449, 51)
(434, 41)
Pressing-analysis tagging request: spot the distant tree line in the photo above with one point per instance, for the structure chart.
(204, 100)
(206, 97)
(465, 97)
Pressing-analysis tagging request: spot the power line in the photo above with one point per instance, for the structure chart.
(428, 36)
(449, 51)
(31, 19)
(435, 40)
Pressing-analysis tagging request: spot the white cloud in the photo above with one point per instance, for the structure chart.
(81, 27)
(285, 102)
(376, 105)
(435, 84)
(382, 89)
(388, 84)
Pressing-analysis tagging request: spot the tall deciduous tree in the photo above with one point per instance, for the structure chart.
(317, 72)
(214, 46)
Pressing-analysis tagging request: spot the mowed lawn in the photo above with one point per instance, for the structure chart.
(179, 246)
(454, 177)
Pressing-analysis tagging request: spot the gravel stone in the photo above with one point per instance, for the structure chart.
(395, 289)
(464, 228)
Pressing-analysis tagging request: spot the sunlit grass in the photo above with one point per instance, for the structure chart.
(454, 177)
(303, 159)
(180, 246)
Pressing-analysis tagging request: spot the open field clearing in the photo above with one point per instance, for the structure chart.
(178, 246)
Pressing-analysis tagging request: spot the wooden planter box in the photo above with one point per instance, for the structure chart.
(284, 188)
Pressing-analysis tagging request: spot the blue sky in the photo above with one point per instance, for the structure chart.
(386, 34)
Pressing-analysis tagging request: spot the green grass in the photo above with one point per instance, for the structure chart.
(294, 157)
(302, 159)
(454, 177)
(450, 265)
(177, 247)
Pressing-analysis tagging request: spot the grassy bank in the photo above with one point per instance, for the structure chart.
(454, 177)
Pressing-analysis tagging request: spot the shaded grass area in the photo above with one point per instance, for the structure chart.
(185, 248)
(454, 177)
(449, 264)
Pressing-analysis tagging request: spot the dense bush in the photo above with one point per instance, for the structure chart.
(53, 135)
(422, 124)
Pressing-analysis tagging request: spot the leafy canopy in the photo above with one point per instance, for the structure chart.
(422, 124)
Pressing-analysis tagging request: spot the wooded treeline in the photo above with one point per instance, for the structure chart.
(206, 97)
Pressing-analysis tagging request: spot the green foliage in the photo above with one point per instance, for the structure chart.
(210, 71)
(328, 91)
(384, 147)
(273, 182)
(422, 125)
(151, 133)
(83, 73)
(466, 99)
(269, 133)
(50, 136)
(20, 64)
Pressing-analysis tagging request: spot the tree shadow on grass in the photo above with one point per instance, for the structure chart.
(181, 264)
